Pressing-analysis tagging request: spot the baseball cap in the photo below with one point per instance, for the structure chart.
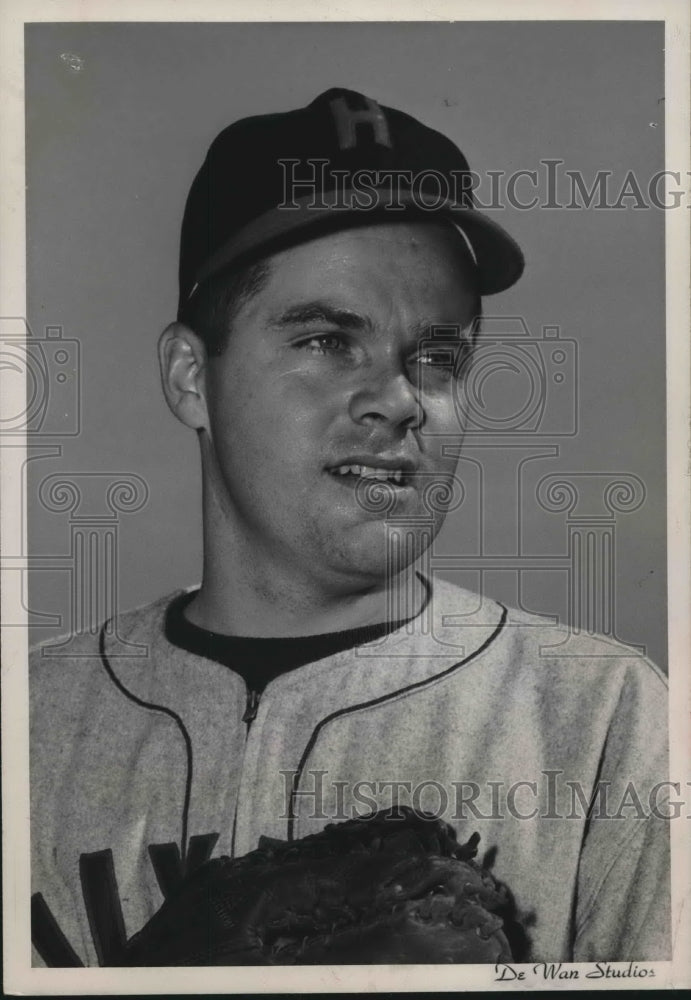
(272, 180)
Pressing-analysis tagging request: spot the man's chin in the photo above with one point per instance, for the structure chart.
(378, 552)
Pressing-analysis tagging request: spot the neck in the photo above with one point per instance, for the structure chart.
(253, 594)
(245, 604)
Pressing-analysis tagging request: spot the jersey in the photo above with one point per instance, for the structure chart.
(551, 745)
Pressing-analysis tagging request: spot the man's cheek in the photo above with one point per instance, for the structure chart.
(307, 411)
(442, 436)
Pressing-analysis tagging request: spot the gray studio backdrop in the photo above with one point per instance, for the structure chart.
(569, 506)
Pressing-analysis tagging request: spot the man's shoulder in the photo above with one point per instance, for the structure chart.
(72, 657)
(542, 643)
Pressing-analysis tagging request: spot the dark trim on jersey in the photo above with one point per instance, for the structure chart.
(261, 659)
(103, 907)
(48, 939)
(378, 701)
(172, 715)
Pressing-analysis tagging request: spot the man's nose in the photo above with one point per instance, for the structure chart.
(387, 397)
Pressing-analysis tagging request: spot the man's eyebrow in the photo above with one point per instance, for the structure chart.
(320, 312)
(306, 313)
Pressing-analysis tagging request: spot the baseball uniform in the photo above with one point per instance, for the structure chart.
(500, 721)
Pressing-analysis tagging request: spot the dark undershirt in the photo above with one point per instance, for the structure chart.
(260, 660)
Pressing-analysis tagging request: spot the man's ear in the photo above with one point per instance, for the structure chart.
(182, 357)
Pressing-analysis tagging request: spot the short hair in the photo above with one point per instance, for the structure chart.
(213, 307)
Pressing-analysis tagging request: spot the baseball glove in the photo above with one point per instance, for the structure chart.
(393, 887)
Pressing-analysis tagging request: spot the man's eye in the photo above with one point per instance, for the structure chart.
(323, 343)
(443, 360)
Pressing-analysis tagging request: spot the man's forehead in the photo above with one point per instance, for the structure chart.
(424, 254)
(420, 273)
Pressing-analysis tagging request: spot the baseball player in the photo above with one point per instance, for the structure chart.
(332, 271)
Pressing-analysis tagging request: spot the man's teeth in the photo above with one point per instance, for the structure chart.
(369, 472)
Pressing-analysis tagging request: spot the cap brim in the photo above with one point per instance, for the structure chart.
(499, 258)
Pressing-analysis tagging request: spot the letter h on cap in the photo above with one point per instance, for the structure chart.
(347, 119)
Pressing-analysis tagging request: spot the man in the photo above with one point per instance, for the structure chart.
(331, 273)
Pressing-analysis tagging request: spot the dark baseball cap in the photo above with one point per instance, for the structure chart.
(273, 180)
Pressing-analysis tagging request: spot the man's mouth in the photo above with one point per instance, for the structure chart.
(397, 476)
(397, 471)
